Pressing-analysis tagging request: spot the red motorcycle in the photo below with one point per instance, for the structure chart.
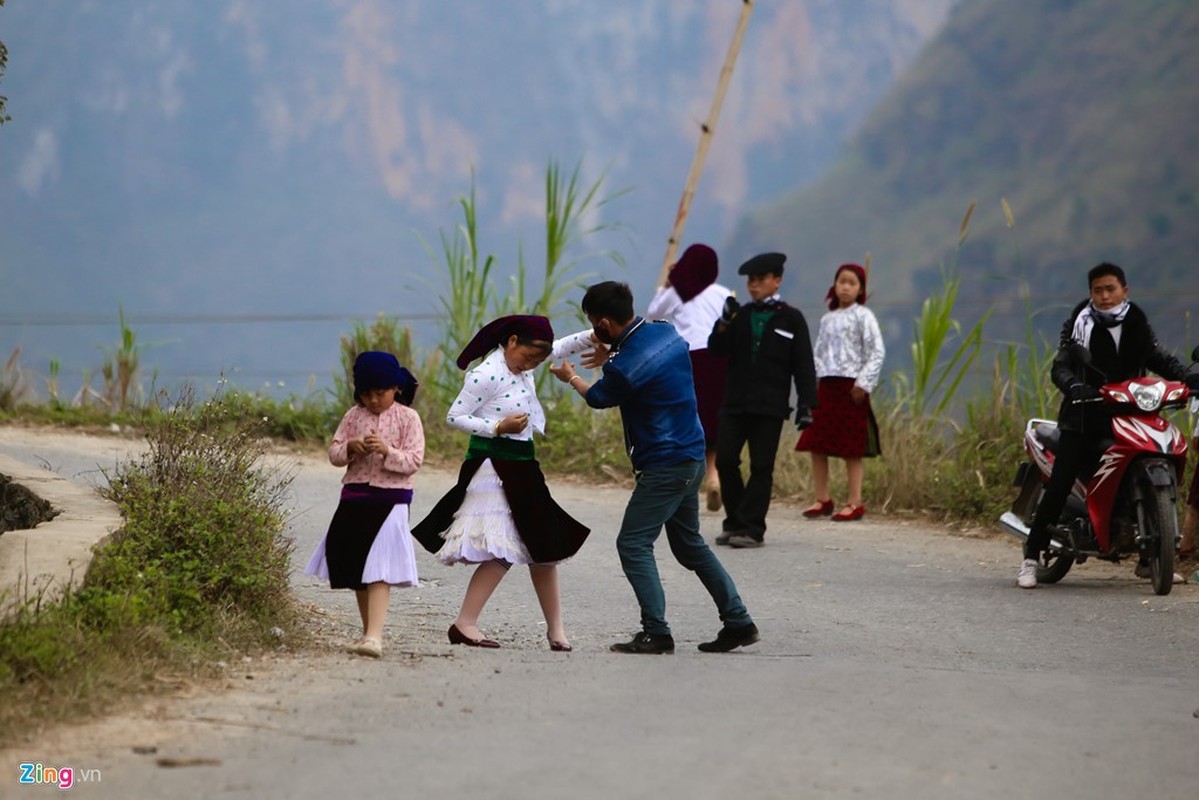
(1129, 506)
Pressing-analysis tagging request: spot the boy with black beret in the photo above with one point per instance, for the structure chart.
(769, 350)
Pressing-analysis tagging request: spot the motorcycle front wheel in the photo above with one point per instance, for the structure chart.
(1159, 521)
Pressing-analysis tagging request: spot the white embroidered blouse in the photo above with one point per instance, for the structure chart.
(491, 392)
(693, 319)
(850, 345)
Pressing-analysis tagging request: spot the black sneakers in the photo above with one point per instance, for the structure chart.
(654, 643)
(651, 643)
(731, 638)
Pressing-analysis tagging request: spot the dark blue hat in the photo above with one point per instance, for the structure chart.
(763, 263)
(377, 370)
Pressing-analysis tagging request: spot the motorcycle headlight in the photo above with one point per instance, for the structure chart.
(1148, 396)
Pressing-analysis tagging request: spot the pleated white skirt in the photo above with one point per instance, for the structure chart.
(482, 529)
(391, 558)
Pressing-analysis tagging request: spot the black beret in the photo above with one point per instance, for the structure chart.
(763, 263)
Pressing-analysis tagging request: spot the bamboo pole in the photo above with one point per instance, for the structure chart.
(705, 139)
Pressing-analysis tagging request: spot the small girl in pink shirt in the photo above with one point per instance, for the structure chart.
(381, 443)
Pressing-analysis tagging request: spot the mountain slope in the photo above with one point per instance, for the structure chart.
(1083, 115)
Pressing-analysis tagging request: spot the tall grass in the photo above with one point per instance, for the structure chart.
(120, 368)
(470, 297)
(15, 389)
(1024, 367)
(469, 294)
(947, 454)
(941, 354)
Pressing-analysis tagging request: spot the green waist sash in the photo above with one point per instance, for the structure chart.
(501, 448)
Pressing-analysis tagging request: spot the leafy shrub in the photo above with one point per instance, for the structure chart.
(205, 521)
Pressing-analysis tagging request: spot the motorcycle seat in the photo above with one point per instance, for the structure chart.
(1048, 435)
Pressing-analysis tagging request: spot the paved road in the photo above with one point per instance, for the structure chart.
(896, 661)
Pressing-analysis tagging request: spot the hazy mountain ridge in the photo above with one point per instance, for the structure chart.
(272, 156)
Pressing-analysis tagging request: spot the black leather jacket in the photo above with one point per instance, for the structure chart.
(762, 385)
(1137, 354)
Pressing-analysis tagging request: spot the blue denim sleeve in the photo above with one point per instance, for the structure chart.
(609, 391)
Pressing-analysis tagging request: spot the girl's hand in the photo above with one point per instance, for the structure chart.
(563, 372)
(513, 423)
(357, 447)
(858, 395)
(374, 444)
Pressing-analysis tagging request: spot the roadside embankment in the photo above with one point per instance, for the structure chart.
(46, 559)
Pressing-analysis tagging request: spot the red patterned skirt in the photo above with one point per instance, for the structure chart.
(840, 427)
(707, 371)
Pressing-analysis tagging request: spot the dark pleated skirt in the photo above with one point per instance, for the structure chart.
(356, 522)
(840, 427)
(548, 532)
(707, 371)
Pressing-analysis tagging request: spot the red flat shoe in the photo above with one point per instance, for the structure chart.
(821, 508)
(559, 647)
(458, 637)
(854, 513)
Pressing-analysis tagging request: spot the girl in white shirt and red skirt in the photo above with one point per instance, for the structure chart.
(849, 356)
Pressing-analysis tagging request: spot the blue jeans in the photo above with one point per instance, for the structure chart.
(669, 496)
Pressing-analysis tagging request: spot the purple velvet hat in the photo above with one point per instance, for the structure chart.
(496, 332)
(694, 272)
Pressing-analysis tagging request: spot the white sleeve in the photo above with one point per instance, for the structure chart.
(572, 345)
(874, 351)
(463, 413)
(665, 303)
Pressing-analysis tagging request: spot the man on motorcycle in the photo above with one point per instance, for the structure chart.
(1122, 345)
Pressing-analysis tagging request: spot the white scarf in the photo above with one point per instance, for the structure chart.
(1090, 316)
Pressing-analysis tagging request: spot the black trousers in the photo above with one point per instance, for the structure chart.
(746, 502)
(1076, 456)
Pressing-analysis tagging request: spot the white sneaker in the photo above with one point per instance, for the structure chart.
(1026, 578)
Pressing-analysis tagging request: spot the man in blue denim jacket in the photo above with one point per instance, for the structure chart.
(648, 376)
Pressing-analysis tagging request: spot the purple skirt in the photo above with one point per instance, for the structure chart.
(707, 372)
